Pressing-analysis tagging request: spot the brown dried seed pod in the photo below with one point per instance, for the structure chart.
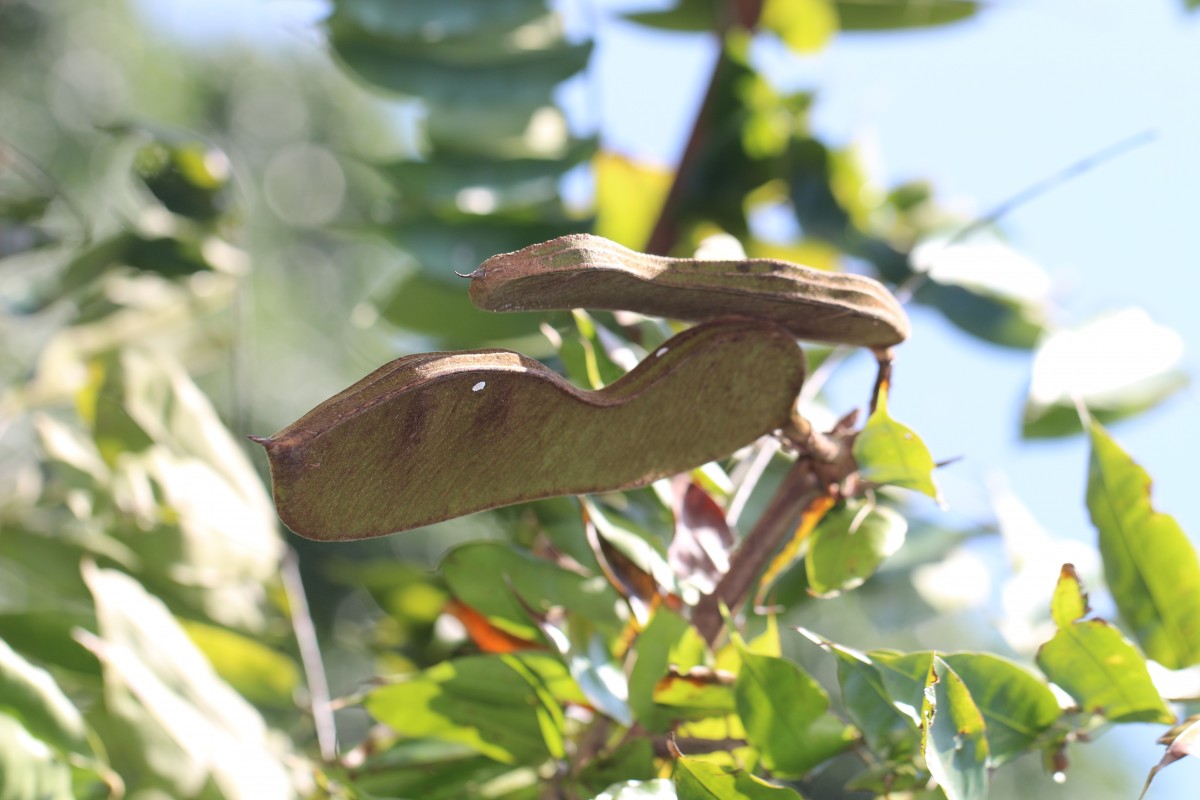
(586, 271)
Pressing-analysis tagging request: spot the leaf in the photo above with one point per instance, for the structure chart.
(426, 305)
(891, 454)
(189, 178)
(784, 712)
(810, 518)
(805, 26)
(699, 550)
(955, 747)
(697, 693)
(686, 15)
(630, 562)
(261, 674)
(29, 695)
(1185, 743)
(657, 789)
(628, 198)
(585, 271)
(986, 288)
(1069, 601)
(470, 183)
(447, 18)
(887, 731)
(660, 644)
(703, 780)
(882, 15)
(168, 712)
(435, 436)
(904, 676)
(502, 581)
(481, 701)
(591, 665)
(487, 636)
(1118, 365)
(1016, 705)
(1150, 564)
(849, 544)
(28, 770)
(1094, 664)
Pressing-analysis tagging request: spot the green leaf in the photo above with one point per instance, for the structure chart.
(904, 676)
(261, 674)
(955, 746)
(1016, 705)
(45, 634)
(1069, 602)
(628, 198)
(890, 453)
(1093, 663)
(883, 15)
(189, 178)
(169, 718)
(448, 19)
(468, 183)
(430, 306)
(704, 780)
(1118, 365)
(654, 651)
(481, 701)
(805, 26)
(591, 665)
(849, 544)
(1150, 564)
(523, 77)
(686, 15)
(435, 436)
(491, 576)
(784, 712)
(30, 695)
(28, 770)
(625, 768)
(888, 732)
(986, 288)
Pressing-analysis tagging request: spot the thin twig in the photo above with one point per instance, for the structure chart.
(905, 291)
(310, 655)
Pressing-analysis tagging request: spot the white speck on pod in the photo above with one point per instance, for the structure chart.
(660, 352)
(479, 386)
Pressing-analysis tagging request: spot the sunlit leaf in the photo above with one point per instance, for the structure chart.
(261, 674)
(1150, 564)
(628, 198)
(1117, 365)
(655, 648)
(30, 695)
(480, 701)
(887, 731)
(784, 713)
(591, 665)
(446, 19)
(985, 288)
(500, 581)
(657, 789)
(904, 677)
(697, 693)
(955, 747)
(28, 769)
(1095, 664)
(849, 544)
(176, 718)
(1016, 705)
(703, 780)
(890, 453)
(805, 26)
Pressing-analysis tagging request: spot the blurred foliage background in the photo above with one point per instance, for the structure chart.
(199, 243)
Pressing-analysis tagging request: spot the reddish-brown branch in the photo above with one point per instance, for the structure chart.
(742, 13)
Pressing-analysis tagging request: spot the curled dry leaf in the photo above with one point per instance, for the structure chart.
(586, 271)
(439, 435)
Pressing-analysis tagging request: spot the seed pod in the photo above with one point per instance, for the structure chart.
(439, 435)
(585, 271)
